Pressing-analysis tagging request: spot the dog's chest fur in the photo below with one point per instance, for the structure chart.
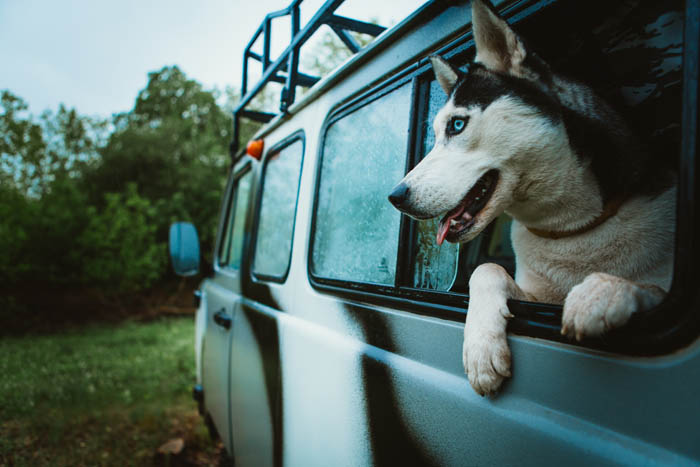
(635, 244)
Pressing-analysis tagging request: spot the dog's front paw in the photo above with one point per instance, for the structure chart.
(603, 302)
(486, 359)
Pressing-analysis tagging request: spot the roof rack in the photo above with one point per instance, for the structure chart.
(288, 61)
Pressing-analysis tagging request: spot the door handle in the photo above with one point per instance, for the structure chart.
(222, 319)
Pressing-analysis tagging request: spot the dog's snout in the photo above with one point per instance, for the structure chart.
(399, 196)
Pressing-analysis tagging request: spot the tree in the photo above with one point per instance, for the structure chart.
(41, 204)
(120, 242)
(22, 146)
(173, 147)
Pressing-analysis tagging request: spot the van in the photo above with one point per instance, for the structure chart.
(330, 330)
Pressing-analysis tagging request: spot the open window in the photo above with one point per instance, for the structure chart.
(632, 54)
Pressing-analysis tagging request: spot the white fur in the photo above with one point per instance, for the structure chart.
(633, 248)
(498, 47)
(446, 76)
(508, 136)
(601, 276)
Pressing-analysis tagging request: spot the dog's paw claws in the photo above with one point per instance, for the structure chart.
(598, 304)
(487, 363)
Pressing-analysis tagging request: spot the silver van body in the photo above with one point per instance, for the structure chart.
(297, 369)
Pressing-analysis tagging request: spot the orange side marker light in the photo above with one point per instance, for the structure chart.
(255, 148)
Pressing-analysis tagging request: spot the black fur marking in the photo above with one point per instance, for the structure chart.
(622, 166)
(535, 64)
(481, 87)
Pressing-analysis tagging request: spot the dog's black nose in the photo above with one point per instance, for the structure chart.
(399, 195)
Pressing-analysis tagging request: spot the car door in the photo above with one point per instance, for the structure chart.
(222, 298)
(255, 356)
(215, 354)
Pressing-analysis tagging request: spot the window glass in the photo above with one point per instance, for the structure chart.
(239, 197)
(277, 211)
(357, 229)
(434, 266)
(235, 251)
(226, 240)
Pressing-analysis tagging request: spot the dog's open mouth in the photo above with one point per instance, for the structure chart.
(461, 218)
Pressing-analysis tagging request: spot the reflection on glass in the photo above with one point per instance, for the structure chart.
(278, 206)
(226, 241)
(434, 267)
(357, 229)
(238, 227)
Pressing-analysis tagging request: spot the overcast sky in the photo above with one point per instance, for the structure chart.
(95, 55)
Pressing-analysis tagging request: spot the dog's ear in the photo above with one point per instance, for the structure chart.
(446, 74)
(498, 48)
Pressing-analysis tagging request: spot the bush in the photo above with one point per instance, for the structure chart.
(118, 244)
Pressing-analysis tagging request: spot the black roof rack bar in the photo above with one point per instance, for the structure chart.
(347, 39)
(342, 22)
(288, 61)
(303, 79)
(340, 26)
(258, 116)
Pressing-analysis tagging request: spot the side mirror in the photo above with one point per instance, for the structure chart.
(184, 249)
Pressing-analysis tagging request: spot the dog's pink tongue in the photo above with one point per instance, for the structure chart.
(443, 228)
(444, 225)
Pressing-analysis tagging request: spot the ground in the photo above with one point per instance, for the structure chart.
(102, 394)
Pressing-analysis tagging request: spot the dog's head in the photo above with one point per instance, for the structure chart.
(499, 125)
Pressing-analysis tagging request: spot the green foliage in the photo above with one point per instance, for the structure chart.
(41, 205)
(34, 155)
(22, 147)
(89, 202)
(120, 240)
(174, 147)
(15, 215)
(84, 201)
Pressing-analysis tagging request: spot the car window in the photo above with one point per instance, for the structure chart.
(358, 237)
(232, 241)
(235, 251)
(364, 154)
(277, 210)
(434, 266)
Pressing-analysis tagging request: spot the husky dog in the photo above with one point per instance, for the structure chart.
(593, 221)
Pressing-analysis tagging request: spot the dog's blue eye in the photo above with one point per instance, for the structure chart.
(456, 126)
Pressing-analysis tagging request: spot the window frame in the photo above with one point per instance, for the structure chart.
(298, 135)
(665, 328)
(229, 214)
(445, 304)
(334, 116)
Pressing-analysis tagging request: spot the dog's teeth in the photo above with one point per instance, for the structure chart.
(477, 199)
(483, 190)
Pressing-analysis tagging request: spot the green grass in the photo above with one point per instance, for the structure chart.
(100, 395)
